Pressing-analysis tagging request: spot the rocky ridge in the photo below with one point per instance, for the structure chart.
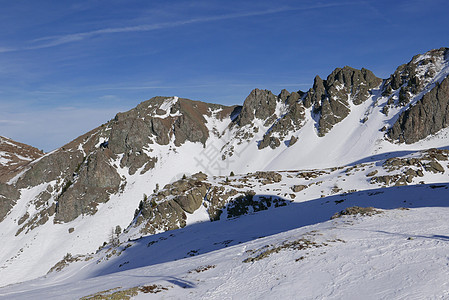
(76, 180)
(14, 156)
(224, 197)
(429, 112)
(85, 172)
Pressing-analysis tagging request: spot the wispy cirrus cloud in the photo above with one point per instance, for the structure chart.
(57, 40)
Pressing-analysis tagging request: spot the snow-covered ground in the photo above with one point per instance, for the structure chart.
(396, 254)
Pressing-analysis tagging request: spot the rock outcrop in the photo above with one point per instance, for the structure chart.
(290, 121)
(166, 209)
(8, 197)
(428, 116)
(330, 98)
(14, 157)
(84, 173)
(93, 184)
(260, 104)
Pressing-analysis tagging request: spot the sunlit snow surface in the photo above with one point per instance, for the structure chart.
(398, 254)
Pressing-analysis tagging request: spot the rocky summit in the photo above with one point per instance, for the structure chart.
(172, 162)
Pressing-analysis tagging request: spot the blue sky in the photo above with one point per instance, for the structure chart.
(68, 66)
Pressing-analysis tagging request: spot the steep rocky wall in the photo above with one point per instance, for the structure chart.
(259, 104)
(411, 79)
(289, 122)
(8, 197)
(166, 209)
(83, 170)
(330, 97)
(96, 180)
(428, 116)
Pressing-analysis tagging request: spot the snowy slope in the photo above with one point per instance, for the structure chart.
(396, 254)
(341, 160)
(341, 187)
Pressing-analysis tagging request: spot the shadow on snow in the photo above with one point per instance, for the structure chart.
(201, 238)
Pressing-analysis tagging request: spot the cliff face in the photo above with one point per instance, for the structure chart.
(331, 98)
(429, 112)
(349, 117)
(426, 117)
(87, 171)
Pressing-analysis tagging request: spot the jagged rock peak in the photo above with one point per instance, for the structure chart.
(422, 85)
(259, 104)
(428, 116)
(160, 119)
(416, 74)
(329, 97)
(85, 171)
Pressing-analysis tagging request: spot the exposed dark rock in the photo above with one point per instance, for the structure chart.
(51, 167)
(267, 177)
(8, 197)
(293, 140)
(259, 104)
(372, 173)
(316, 93)
(193, 199)
(356, 210)
(406, 77)
(16, 157)
(246, 203)
(162, 217)
(217, 199)
(299, 187)
(83, 171)
(185, 195)
(428, 116)
(290, 121)
(186, 129)
(160, 130)
(412, 78)
(434, 167)
(136, 160)
(329, 97)
(267, 140)
(96, 181)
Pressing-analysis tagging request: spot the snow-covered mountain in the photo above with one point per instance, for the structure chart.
(173, 162)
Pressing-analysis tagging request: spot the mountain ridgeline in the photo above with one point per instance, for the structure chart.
(121, 164)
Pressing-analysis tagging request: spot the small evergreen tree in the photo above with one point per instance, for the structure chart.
(113, 237)
(118, 230)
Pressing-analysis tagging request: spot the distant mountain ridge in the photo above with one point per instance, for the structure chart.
(348, 118)
(14, 156)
